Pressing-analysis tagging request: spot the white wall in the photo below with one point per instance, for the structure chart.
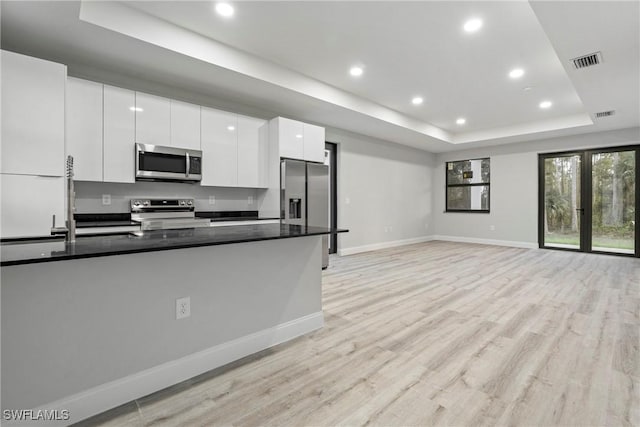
(514, 188)
(89, 196)
(384, 192)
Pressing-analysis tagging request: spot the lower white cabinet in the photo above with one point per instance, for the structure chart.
(19, 191)
(83, 116)
(119, 135)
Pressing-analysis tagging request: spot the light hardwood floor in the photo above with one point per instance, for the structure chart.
(438, 333)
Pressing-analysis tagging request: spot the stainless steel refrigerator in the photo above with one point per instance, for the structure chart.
(304, 197)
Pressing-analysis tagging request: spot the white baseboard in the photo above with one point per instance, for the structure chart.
(526, 245)
(107, 396)
(383, 245)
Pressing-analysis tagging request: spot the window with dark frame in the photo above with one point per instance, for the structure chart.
(468, 185)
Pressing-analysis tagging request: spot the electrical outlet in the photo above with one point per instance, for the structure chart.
(250, 200)
(212, 200)
(492, 227)
(183, 308)
(347, 200)
(106, 199)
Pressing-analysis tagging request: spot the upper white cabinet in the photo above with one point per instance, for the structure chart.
(313, 143)
(289, 135)
(119, 135)
(219, 148)
(298, 140)
(234, 150)
(185, 125)
(84, 128)
(33, 93)
(252, 153)
(153, 119)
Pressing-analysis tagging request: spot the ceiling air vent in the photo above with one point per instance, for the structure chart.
(602, 114)
(587, 60)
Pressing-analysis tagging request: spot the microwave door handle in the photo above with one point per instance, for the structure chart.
(188, 164)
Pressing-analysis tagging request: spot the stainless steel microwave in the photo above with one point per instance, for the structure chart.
(155, 162)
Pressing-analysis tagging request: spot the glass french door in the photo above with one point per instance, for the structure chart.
(587, 201)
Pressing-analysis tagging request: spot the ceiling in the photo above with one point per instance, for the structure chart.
(293, 59)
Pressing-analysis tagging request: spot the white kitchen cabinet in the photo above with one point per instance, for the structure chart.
(33, 93)
(84, 128)
(19, 191)
(290, 136)
(297, 140)
(119, 135)
(313, 143)
(252, 152)
(185, 125)
(153, 119)
(219, 148)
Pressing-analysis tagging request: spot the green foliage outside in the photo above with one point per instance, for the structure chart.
(613, 200)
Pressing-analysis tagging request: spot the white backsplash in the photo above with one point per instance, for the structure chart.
(89, 196)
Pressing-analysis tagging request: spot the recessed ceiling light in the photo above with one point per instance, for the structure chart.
(516, 73)
(136, 109)
(461, 121)
(417, 100)
(224, 9)
(356, 71)
(298, 136)
(231, 128)
(472, 25)
(545, 104)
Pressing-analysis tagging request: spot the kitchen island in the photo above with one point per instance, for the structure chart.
(89, 326)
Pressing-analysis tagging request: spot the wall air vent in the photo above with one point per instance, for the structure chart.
(602, 114)
(587, 60)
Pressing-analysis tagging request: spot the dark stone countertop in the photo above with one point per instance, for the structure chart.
(25, 252)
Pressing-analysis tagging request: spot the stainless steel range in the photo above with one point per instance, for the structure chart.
(166, 214)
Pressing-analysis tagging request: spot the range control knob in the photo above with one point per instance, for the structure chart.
(136, 203)
(182, 203)
(146, 203)
(189, 202)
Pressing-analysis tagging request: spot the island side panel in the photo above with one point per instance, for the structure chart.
(69, 327)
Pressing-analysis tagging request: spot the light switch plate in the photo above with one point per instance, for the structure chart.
(106, 199)
(212, 200)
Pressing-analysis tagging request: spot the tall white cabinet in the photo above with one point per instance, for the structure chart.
(32, 165)
(33, 92)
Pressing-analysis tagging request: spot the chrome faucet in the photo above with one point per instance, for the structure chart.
(70, 230)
